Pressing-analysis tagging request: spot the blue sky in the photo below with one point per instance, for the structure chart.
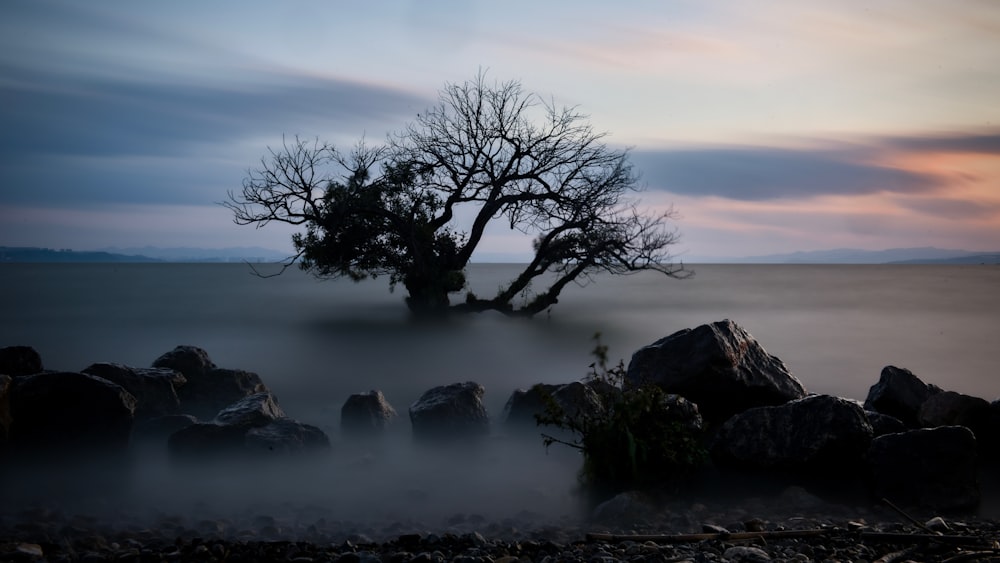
(770, 126)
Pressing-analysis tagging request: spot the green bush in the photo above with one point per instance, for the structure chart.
(637, 440)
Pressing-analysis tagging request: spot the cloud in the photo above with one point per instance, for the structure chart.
(764, 173)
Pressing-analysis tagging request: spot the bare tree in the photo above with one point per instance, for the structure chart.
(487, 150)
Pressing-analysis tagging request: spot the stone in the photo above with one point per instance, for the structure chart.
(159, 429)
(899, 394)
(17, 361)
(450, 412)
(816, 434)
(624, 508)
(259, 409)
(209, 388)
(930, 468)
(366, 414)
(154, 389)
(745, 554)
(68, 413)
(204, 441)
(574, 398)
(6, 382)
(284, 436)
(718, 366)
(884, 424)
(949, 408)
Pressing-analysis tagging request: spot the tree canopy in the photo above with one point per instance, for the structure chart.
(487, 151)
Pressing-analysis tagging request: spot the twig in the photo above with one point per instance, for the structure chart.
(908, 517)
(889, 537)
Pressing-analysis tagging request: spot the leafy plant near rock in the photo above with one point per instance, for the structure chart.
(640, 437)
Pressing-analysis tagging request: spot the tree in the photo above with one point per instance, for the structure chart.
(489, 151)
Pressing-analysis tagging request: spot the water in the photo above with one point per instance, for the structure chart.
(314, 343)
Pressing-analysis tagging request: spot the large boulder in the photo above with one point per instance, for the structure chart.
(17, 361)
(817, 434)
(931, 468)
(154, 389)
(366, 414)
(884, 424)
(574, 399)
(719, 366)
(158, 430)
(67, 412)
(900, 394)
(208, 389)
(6, 382)
(450, 412)
(949, 408)
(252, 427)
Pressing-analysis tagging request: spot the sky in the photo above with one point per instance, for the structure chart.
(769, 126)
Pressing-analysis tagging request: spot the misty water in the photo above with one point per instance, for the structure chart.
(315, 343)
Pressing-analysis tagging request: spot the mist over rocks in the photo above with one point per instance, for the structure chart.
(366, 415)
(450, 412)
(718, 366)
(155, 389)
(208, 388)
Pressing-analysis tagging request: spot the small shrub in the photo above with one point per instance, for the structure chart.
(636, 441)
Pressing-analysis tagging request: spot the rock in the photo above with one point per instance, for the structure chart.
(624, 508)
(931, 468)
(6, 382)
(884, 424)
(718, 366)
(192, 361)
(205, 441)
(259, 409)
(819, 433)
(17, 361)
(286, 436)
(949, 408)
(366, 414)
(899, 393)
(67, 412)
(574, 398)
(209, 388)
(745, 554)
(154, 389)
(450, 412)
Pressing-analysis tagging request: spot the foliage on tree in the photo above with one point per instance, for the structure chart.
(634, 441)
(416, 208)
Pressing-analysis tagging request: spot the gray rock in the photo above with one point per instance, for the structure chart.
(931, 468)
(949, 408)
(819, 433)
(884, 424)
(192, 361)
(899, 394)
(17, 361)
(285, 436)
(573, 398)
(70, 413)
(209, 388)
(450, 412)
(6, 382)
(259, 409)
(154, 389)
(745, 554)
(366, 414)
(718, 366)
(624, 508)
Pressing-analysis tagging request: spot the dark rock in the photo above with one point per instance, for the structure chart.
(17, 361)
(884, 424)
(366, 414)
(192, 361)
(450, 412)
(6, 382)
(819, 433)
(73, 412)
(718, 366)
(286, 436)
(160, 428)
(625, 508)
(899, 393)
(259, 409)
(154, 389)
(928, 468)
(209, 388)
(207, 441)
(949, 408)
(573, 398)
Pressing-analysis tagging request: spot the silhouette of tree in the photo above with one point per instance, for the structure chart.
(489, 151)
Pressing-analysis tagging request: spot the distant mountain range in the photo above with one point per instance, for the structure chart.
(144, 254)
(922, 255)
(925, 255)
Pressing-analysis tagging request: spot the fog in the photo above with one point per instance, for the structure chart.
(315, 343)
